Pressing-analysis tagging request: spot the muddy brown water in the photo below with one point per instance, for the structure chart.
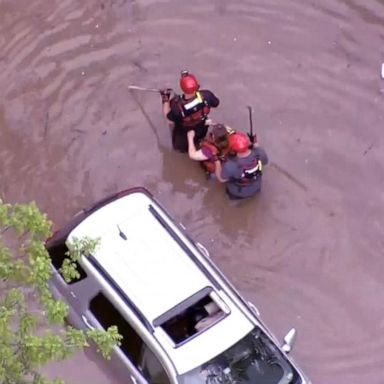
(309, 250)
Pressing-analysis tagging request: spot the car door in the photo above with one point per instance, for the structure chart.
(151, 368)
(132, 356)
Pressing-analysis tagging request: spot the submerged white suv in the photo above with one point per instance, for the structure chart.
(180, 318)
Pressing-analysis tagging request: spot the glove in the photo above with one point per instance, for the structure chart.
(252, 138)
(165, 95)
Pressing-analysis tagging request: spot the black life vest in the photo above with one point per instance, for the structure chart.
(251, 171)
(193, 111)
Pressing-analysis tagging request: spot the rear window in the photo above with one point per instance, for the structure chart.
(58, 253)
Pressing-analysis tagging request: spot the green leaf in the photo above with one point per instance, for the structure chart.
(32, 324)
(106, 340)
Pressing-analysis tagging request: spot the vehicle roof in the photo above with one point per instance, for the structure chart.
(148, 265)
(155, 273)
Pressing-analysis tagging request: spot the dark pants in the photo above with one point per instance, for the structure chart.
(179, 136)
(233, 197)
(237, 192)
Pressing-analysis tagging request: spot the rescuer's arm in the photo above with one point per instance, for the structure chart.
(193, 153)
(165, 96)
(218, 171)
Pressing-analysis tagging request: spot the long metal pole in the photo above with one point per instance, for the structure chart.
(137, 88)
(250, 119)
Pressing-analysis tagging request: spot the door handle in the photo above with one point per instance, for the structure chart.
(254, 308)
(202, 249)
(87, 323)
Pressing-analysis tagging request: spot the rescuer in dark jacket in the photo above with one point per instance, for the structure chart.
(243, 172)
(188, 111)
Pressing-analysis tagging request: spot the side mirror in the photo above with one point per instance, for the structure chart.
(289, 340)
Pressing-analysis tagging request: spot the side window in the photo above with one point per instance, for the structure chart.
(58, 255)
(132, 345)
(152, 369)
(108, 315)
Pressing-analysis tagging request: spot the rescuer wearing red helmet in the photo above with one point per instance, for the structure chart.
(242, 172)
(188, 111)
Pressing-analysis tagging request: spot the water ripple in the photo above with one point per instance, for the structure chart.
(72, 132)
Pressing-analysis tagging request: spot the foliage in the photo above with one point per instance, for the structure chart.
(32, 324)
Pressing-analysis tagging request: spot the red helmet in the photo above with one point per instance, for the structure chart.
(188, 82)
(239, 142)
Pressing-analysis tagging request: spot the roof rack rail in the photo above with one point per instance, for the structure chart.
(183, 246)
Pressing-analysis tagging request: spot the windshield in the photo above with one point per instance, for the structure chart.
(254, 359)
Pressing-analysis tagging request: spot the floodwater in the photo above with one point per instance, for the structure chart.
(309, 251)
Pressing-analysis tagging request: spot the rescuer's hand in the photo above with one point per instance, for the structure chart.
(252, 138)
(165, 95)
